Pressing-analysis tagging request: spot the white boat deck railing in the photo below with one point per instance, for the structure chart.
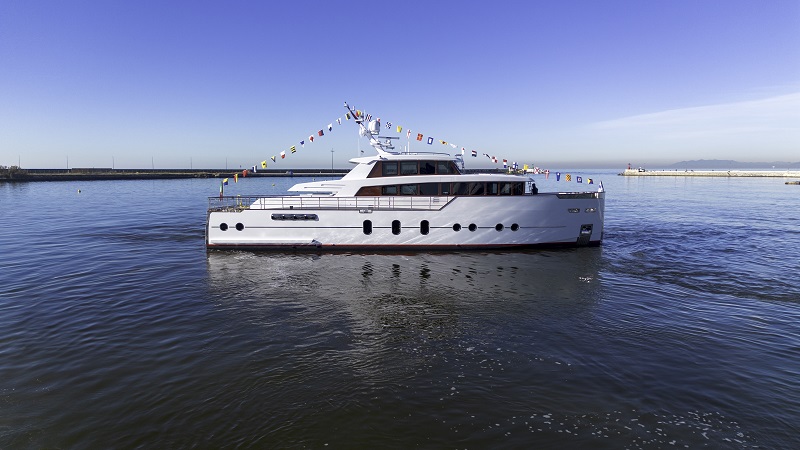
(239, 203)
(398, 202)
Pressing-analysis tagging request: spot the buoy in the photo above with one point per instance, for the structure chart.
(79, 191)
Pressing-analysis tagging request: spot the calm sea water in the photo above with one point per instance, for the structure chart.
(119, 330)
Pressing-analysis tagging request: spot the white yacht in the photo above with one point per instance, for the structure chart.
(404, 201)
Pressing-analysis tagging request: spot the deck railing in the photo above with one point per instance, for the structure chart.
(398, 202)
(241, 202)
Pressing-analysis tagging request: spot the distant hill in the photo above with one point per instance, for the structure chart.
(730, 164)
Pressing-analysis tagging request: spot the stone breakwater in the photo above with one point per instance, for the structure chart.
(711, 173)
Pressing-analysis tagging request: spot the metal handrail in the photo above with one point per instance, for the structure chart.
(387, 202)
(280, 202)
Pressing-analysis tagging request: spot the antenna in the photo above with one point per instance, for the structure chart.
(371, 131)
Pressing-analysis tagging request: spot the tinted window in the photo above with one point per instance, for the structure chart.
(429, 189)
(476, 189)
(444, 188)
(491, 188)
(427, 167)
(408, 189)
(443, 167)
(460, 188)
(389, 169)
(389, 190)
(408, 168)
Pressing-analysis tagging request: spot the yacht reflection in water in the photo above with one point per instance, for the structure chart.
(340, 339)
(424, 291)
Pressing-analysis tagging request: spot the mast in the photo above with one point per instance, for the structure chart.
(371, 131)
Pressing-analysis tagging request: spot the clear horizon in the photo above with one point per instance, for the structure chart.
(692, 164)
(575, 84)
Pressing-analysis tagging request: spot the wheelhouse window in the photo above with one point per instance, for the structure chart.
(389, 169)
(395, 168)
(408, 168)
(444, 167)
(429, 189)
(460, 189)
(447, 189)
(408, 189)
(476, 189)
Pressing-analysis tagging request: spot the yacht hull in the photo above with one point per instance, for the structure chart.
(481, 222)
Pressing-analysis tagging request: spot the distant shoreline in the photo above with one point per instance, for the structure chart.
(95, 174)
(711, 173)
(25, 175)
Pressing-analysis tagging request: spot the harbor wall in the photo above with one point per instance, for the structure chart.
(14, 174)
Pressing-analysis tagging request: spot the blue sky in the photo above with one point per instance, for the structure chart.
(570, 84)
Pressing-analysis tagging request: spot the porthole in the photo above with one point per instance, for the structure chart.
(424, 227)
(223, 226)
(472, 227)
(499, 227)
(457, 227)
(239, 226)
(514, 227)
(395, 227)
(367, 227)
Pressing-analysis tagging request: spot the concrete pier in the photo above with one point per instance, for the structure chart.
(711, 173)
(14, 174)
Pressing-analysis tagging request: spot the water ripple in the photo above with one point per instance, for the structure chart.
(117, 329)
